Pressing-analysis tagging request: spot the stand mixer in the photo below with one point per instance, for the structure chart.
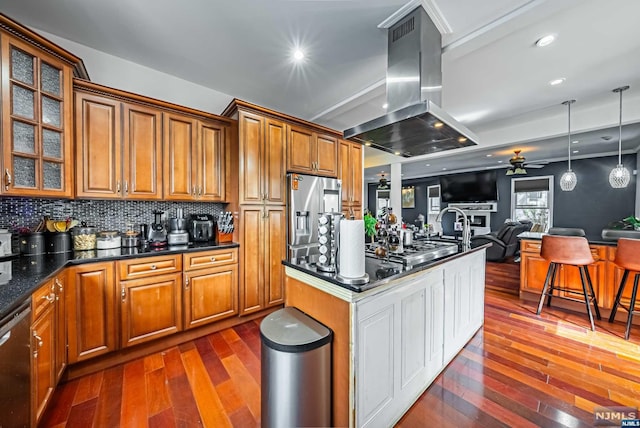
(178, 234)
(158, 233)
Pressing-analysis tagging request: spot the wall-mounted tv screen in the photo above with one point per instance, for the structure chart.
(469, 187)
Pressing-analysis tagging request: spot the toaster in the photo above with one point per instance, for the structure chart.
(201, 227)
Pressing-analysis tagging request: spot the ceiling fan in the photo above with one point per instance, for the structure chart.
(517, 164)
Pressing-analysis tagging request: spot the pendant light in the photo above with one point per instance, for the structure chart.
(619, 176)
(568, 180)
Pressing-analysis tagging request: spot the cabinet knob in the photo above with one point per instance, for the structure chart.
(118, 186)
(50, 297)
(123, 293)
(194, 193)
(213, 259)
(199, 191)
(186, 283)
(153, 267)
(126, 187)
(38, 339)
(7, 179)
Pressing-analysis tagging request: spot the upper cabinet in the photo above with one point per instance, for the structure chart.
(262, 159)
(194, 159)
(118, 149)
(36, 121)
(36, 117)
(350, 172)
(311, 152)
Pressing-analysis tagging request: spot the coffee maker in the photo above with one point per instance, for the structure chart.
(178, 234)
(158, 232)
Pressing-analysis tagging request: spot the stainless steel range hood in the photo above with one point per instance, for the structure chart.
(415, 124)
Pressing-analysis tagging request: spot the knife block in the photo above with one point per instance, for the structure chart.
(223, 238)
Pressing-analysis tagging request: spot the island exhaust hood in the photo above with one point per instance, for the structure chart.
(415, 124)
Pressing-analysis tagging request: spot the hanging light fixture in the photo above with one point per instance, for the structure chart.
(568, 180)
(619, 176)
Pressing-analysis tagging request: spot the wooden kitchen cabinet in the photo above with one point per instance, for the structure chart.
(350, 172)
(262, 233)
(150, 308)
(262, 159)
(194, 159)
(311, 152)
(118, 149)
(37, 130)
(91, 311)
(210, 286)
(43, 347)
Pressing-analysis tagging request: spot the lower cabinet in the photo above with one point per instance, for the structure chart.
(407, 335)
(399, 347)
(150, 308)
(43, 339)
(210, 293)
(91, 311)
(263, 245)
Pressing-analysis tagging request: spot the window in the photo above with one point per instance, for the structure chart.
(532, 198)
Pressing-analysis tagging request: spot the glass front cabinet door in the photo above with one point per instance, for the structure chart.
(36, 121)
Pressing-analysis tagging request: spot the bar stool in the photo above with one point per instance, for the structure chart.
(628, 258)
(568, 250)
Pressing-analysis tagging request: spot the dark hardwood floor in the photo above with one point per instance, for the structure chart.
(519, 370)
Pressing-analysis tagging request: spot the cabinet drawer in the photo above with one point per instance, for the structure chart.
(207, 259)
(149, 266)
(531, 246)
(42, 298)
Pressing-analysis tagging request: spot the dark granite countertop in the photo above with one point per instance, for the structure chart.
(596, 240)
(27, 273)
(380, 273)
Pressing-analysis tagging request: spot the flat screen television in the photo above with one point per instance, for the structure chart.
(469, 187)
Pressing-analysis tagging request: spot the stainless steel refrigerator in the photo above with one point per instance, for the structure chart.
(307, 197)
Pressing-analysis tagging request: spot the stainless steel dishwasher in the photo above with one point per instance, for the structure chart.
(15, 373)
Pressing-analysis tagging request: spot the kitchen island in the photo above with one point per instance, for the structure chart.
(392, 339)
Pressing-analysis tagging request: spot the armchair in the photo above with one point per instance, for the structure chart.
(504, 241)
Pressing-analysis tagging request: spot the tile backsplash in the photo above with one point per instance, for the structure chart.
(103, 214)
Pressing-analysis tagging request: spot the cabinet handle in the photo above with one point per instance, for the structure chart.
(60, 286)
(213, 259)
(7, 179)
(126, 187)
(194, 193)
(118, 186)
(153, 267)
(50, 297)
(186, 283)
(123, 293)
(38, 339)
(200, 191)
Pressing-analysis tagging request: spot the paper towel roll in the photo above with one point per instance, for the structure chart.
(351, 250)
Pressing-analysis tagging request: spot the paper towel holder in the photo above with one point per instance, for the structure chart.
(345, 280)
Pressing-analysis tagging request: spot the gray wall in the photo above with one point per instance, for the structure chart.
(590, 206)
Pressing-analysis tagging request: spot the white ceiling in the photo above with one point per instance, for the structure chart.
(494, 80)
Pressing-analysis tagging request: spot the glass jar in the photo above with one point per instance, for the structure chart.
(84, 238)
(108, 240)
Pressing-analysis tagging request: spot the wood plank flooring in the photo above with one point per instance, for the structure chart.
(519, 370)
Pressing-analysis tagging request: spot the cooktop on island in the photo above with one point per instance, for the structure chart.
(418, 253)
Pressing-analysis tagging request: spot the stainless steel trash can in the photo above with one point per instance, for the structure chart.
(295, 370)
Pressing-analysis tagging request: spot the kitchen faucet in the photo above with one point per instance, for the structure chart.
(466, 231)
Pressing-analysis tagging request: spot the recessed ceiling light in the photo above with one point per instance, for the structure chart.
(555, 82)
(499, 161)
(462, 139)
(428, 164)
(298, 55)
(444, 169)
(385, 105)
(575, 142)
(397, 153)
(438, 125)
(576, 151)
(545, 41)
(368, 144)
(489, 155)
